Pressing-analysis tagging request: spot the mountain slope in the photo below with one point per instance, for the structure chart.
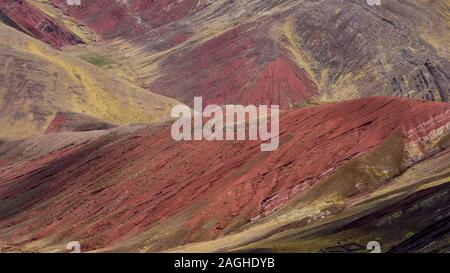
(407, 214)
(37, 81)
(118, 189)
(222, 50)
(25, 17)
(86, 153)
(75, 122)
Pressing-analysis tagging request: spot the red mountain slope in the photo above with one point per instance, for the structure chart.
(33, 21)
(240, 66)
(120, 185)
(113, 19)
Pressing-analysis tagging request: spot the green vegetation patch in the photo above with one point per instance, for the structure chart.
(98, 60)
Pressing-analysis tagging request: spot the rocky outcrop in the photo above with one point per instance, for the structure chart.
(380, 47)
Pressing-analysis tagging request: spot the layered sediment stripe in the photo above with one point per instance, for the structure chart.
(119, 186)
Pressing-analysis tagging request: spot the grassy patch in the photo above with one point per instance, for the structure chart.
(98, 60)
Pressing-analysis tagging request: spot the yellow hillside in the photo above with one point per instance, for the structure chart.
(37, 81)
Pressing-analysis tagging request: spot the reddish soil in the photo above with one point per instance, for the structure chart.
(36, 23)
(240, 66)
(107, 190)
(75, 122)
(111, 19)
